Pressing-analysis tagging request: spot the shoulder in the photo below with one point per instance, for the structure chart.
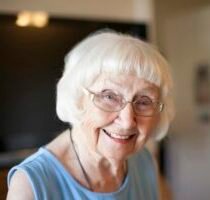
(143, 173)
(27, 175)
(145, 166)
(147, 162)
(17, 183)
(144, 157)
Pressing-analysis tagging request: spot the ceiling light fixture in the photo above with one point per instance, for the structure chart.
(37, 19)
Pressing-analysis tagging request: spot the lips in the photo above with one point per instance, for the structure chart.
(119, 137)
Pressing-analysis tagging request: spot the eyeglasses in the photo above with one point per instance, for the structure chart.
(109, 101)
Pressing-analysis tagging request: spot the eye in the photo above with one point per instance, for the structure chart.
(143, 101)
(110, 95)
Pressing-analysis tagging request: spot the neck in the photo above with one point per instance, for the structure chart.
(103, 174)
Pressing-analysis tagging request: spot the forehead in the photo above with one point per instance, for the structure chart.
(125, 84)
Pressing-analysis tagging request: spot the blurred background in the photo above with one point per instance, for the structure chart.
(36, 35)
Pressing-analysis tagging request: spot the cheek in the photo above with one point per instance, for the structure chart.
(146, 127)
(95, 118)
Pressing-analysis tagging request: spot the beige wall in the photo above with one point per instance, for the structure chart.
(183, 34)
(120, 10)
(132, 10)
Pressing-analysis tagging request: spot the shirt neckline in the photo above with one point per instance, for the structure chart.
(55, 160)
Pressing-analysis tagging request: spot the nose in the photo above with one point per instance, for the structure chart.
(127, 117)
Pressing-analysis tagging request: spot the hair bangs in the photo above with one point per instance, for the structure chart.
(125, 59)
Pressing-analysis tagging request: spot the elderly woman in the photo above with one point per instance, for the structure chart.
(115, 93)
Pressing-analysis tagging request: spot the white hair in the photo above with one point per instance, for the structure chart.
(115, 53)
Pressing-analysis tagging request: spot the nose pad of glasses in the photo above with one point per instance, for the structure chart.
(127, 116)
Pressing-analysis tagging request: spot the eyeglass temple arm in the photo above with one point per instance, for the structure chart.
(86, 91)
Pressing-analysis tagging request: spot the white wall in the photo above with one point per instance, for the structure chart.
(184, 37)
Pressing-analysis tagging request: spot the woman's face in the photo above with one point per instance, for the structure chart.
(116, 135)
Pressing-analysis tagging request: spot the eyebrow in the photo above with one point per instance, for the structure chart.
(148, 90)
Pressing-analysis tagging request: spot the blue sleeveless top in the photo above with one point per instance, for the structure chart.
(51, 181)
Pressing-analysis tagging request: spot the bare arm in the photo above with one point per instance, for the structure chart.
(20, 188)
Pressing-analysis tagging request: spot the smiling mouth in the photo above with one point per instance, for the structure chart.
(119, 137)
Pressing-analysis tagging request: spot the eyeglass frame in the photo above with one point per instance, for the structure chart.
(159, 104)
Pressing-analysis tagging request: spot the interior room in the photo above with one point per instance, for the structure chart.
(32, 55)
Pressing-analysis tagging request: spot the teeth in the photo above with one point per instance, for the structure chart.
(117, 136)
(123, 137)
